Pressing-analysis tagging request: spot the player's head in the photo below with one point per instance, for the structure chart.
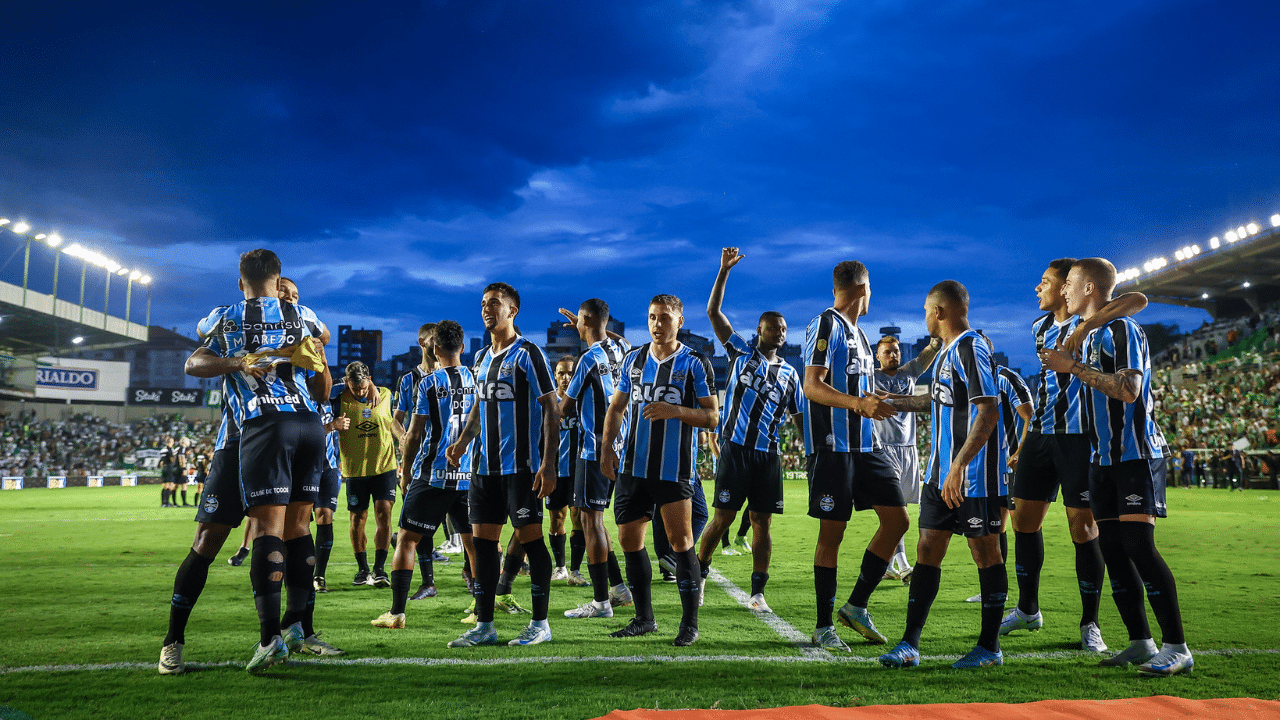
(426, 335)
(946, 304)
(666, 317)
(1049, 291)
(357, 375)
(771, 330)
(499, 306)
(889, 353)
(851, 281)
(259, 269)
(564, 371)
(592, 314)
(288, 290)
(1091, 280)
(446, 339)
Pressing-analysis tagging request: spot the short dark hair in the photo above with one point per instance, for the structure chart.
(288, 280)
(570, 358)
(448, 335)
(1100, 272)
(670, 301)
(258, 266)
(951, 292)
(1062, 266)
(849, 273)
(596, 308)
(356, 370)
(512, 296)
(887, 340)
(770, 314)
(427, 330)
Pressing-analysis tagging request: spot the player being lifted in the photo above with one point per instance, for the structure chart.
(666, 392)
(964, 479)
(594, 382)
(1056, 454)
(848, 470)
(517, 420)
(762, 390)
(1127, 470)
(432, 489)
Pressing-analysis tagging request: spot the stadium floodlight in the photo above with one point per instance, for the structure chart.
(77, 340)
(1214, 243)
(54, 240)
(1253, 228)
(1178, 254)
(1246, 283)
(4, 221)
(1275, 220)
(1231, 236)
(41, 236)
(111, 265)
(1195, 249)
(21, 227)
(1204, 296)
(145, 279)
(135, 275)
(122, 271)
(1242, 232)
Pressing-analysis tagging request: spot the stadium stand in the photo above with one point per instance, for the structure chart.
(85, 444)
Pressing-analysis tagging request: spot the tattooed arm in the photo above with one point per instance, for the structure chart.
(1123, 386)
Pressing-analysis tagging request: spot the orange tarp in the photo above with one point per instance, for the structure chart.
(1160, 707)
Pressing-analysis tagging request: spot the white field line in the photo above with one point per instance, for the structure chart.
(533, 660)
(785, 630)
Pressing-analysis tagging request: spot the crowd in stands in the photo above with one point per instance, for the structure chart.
(85, 444)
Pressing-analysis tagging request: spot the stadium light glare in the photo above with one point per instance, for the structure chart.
(145, 279)
(1195, 249)
(1275, 220)
(1246, 283)
(1242, 232)
(53, 239)
(77, 340)
(122, 271)
(4, 221)
(1231, 236)
(41, 236)
(111, 265)
(1204, 296)
(21, 227)
(1214, 243)
(1253, 228)
(135, 275)
(1178, 254)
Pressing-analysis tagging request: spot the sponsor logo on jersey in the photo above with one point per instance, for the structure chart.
(762, 386)
(257, 400)
(655, 393)
(976, 523)
(822, 344)
(499, 390)
(523, 513)
(827, 503)
(942, 394)
(779, 505)
(367, 426)
(1134, 499)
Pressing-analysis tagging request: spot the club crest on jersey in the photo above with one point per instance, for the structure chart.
(822, 344)
(366, 413)
(508, 368)
(655, 393)
(827, 503)
(724, 496)
(677, 377)
(210, 503)
(499, 390)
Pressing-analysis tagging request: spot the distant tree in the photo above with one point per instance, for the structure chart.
(1162, 335)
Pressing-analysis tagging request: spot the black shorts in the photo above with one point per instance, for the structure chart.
(330, 486)
(1046, 462)
(221, 504)
(562, 496)
(637, 498)
(1133, 487)
(751, 475)
(426, 507)
(976, 517)
(492, 499)
(591, 489)
(281, 456)
(360, 490)
(840, 483)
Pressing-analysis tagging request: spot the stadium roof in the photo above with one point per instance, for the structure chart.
(30, 326)
(1231, 278)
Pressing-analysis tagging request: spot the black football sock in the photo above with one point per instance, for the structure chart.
(824, 585)
(539, 577)
(689, 585)
(599, 574)
(299, 564)
(869, 576)
(425, 549)
(994, 584)
(1126, 584)
(1162, 590)
(1029, 559)
(557, 549)
(758, 581)
(267, 563)
(164, 497)
(486, 577)
(640, 578)
(184, 496)
(1089, 575)
(745, 526)
(379, 562)
(510, 569)
(324, 546)
(615, 572)
(187, 586)
(1004, 548)
(724, 538)
(362, 561)
(924, 589)
(400, 582)
(577, 548)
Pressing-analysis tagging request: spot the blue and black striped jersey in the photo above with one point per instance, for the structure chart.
(1014, 393)
(508, 386)
(662, 449)
(964, 372)
(1059, 396)
(445, 396)
(834, 343)
(407, 392)
(759, 396)
(1122, 431)
(330, 438)
(570, 446)
(257, 325)
(228, 431)
(594, 382)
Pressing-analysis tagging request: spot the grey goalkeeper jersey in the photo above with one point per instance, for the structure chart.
(899, 429)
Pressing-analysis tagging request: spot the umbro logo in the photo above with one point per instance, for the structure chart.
(975, 522)
(1085, 496)
(522, 512)
(367, 426)
(1133, 499)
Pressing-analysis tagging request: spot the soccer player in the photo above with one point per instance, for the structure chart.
(432, 489)
(964, 482)
(762, 391)
(517, 420)
(1127, 470)
(281, 440)
(898, 432)
(559, 501)
(666, 392)
(848, 469)
(368, 455)
(594, 382)
(168, 473)
(1056, 454)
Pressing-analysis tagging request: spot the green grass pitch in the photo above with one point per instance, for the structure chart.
(87, 573)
